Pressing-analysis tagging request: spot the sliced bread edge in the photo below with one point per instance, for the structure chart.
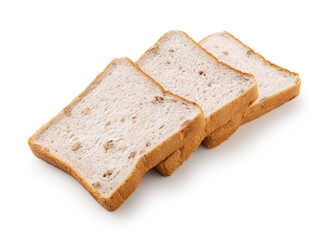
(214, 122)
(195, 126)
(262, 106)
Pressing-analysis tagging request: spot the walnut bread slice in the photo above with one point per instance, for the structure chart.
(183, 67)
(276, 85)
(120, 126)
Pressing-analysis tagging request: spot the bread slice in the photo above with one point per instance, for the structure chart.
(122, 125)
(183, 67)
(276, 85)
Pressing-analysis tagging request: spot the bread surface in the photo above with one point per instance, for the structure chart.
(276, 85)
(120, 126)
(183, 67)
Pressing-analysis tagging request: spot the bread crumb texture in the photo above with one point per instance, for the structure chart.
(122, 116)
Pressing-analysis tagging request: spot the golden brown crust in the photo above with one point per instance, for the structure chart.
(213, 122)
(223, 133)
(146, 162)
(258, 109)
(173, 163)
(192, 138)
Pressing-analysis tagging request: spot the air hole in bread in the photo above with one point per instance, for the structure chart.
(209, 84)
(171, 50)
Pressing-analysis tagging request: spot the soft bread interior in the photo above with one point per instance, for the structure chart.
(270, 78)
(187, 70)
(118, 119)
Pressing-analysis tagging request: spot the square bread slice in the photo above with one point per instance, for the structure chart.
(276, 85)
(119, 127)
(183, 67)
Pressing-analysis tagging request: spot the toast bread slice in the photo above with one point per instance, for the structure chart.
(113, 132)
(276, 85)
(183, 67)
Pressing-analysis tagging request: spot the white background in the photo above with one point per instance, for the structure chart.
(273, 179)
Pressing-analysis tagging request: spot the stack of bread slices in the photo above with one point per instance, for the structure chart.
(179, 94)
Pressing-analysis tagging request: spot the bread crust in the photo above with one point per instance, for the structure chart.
(146, 162)
(192, 139)
(263, 106)
(228, 116)
(223, 133)
(213, 122)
